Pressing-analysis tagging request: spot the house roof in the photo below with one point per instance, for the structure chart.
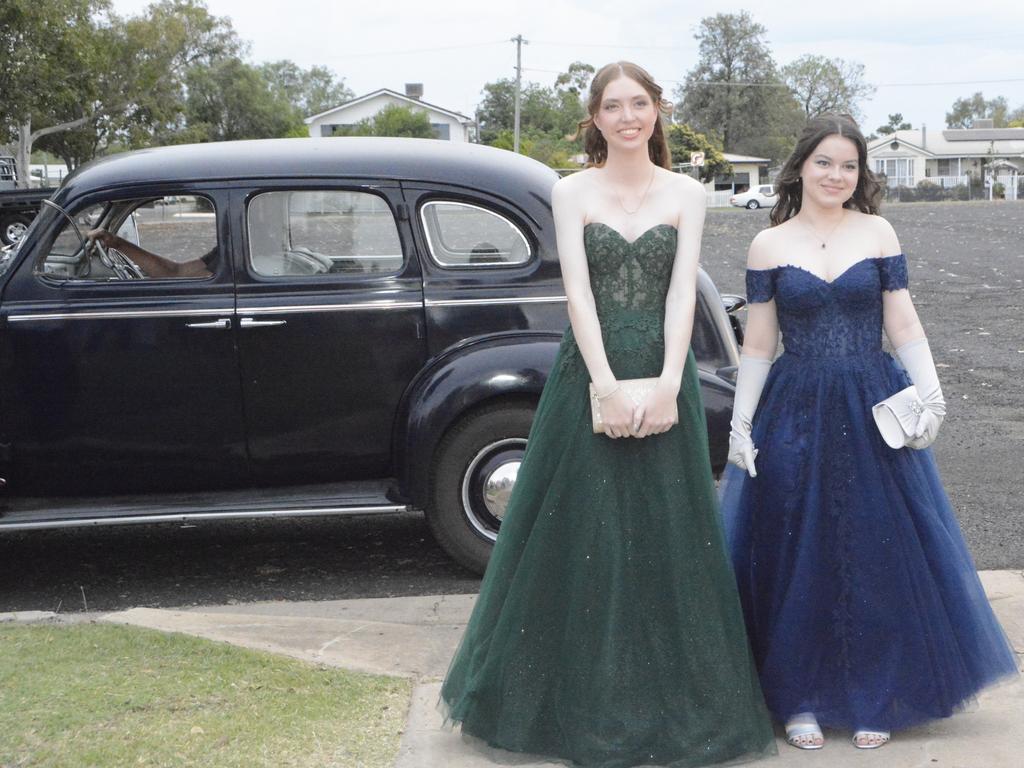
(744, 158)
(394, 94)
(964, 142)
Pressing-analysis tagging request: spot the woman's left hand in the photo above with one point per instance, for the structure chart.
(658, 412)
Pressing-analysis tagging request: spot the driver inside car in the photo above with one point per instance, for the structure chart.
(154, 265)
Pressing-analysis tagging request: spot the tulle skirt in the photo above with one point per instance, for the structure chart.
(861, 599)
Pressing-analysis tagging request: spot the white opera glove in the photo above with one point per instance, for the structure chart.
(916, 357)
(750, 378)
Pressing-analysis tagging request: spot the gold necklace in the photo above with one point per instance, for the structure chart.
(643, 199)
(823, 240)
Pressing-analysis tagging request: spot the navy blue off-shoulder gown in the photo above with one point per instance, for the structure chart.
(860, 596)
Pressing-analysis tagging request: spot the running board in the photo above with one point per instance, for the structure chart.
(329, 500)
(81, 522)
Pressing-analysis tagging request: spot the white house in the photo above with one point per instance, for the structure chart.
(952, 157)
(747, 172)
(447, 124)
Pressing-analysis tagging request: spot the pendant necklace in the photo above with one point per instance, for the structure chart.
(643, 199)
(817, 236)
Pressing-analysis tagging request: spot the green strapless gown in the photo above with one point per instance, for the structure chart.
(608, 630)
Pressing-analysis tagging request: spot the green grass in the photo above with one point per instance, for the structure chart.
(104, 695)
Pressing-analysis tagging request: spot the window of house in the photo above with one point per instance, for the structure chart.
(899, 171)
(461, 234)
(319, 232)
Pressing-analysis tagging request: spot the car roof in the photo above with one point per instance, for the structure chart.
(430, 160)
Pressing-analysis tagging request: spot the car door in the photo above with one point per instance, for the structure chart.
(116, 383)
(331, 329)
(489, 267)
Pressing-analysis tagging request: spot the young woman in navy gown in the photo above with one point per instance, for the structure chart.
(863, 605)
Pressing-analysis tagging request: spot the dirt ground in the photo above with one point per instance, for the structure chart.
(967, 279)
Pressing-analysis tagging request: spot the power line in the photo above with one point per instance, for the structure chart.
(367, 54)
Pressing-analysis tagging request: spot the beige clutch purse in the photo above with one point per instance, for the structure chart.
(635, 389)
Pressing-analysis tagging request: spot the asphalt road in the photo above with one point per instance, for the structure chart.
(967, 278)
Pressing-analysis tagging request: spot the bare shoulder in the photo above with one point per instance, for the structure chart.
(573, 182)
(686, 185)
(770, 246)
(570, 190)
(879, 230)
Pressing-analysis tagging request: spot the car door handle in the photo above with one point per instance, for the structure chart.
(223, 324)
(248, 322)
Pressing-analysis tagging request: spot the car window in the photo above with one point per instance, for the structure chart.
(170, 237)
(461, 234)
(704, 340)
(317, 232)
(767, 191)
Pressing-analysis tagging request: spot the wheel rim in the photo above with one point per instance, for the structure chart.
(753, 204)
(14, 231)
(487, 484)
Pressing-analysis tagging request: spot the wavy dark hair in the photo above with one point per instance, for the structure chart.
(593, 142)
(866, 197)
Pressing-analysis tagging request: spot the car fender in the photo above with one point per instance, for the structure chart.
(458, 381)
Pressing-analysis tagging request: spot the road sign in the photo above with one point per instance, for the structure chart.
(697, 158)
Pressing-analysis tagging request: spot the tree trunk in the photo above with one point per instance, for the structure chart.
(26, 138)
(23, 152)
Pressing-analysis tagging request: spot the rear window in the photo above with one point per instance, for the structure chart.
(466, 235)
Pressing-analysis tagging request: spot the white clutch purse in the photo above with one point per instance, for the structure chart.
(896, 416)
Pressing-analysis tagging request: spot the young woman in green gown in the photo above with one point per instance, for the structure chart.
(608, 631)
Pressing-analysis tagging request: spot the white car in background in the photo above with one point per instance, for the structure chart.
(761, 195)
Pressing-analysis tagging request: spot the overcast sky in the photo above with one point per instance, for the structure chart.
(919, 54)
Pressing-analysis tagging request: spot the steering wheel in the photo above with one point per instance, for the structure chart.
(117, 262)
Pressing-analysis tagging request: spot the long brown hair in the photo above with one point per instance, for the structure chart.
(593, 142)
(868, 192)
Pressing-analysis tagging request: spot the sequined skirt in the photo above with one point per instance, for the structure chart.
(861, 599)
(608, 630)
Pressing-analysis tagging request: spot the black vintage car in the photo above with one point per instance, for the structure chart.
(353, 326)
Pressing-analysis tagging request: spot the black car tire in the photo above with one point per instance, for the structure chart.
(12, 227)
(478, 447)
(753, 205)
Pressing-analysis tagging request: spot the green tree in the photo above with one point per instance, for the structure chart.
(682, 140)
(896, 123)
(966, 111)
(821, 84)
(394, 120)
(47, 53)
(230, 99)
(311, 91)
(735, 92)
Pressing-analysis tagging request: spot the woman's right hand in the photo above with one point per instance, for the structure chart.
(617, 413)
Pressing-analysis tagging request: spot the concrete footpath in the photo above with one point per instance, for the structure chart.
(416, 636)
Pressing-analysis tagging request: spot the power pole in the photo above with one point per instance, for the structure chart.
(518, 40)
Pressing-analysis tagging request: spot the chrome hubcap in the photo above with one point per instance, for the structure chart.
(488, 482)
(15, 232)
(498, 488)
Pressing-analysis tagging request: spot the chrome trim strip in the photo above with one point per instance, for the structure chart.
(483, 302)
(329, 307)
(119, 314)
(195, 516)
(430, 241)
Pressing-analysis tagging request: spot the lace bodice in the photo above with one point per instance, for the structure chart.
(819, 318)
(628, 275)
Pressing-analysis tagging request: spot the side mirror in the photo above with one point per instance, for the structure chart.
(733, 303)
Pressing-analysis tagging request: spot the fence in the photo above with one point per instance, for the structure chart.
(1011, 186)
(719, 198)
